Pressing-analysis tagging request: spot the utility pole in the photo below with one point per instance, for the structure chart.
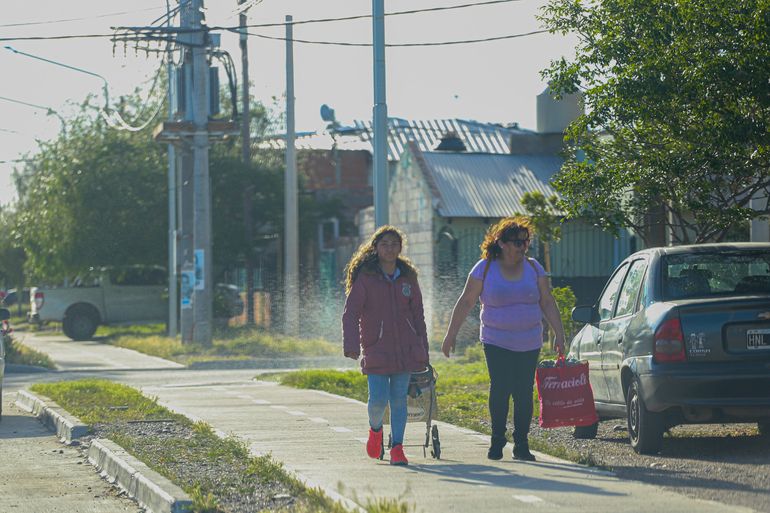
(173, 300)
(190, 186)
(291, 235)
(202, 304)
(246, 149)
(380, 114)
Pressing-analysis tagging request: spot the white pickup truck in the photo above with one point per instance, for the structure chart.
(119, 295)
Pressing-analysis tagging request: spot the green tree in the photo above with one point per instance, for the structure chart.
(677, 112)
(93, 196)
(544, 214)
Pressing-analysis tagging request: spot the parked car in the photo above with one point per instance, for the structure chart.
(118, 295)
(227, 301)
(680, 335)
(4, 330)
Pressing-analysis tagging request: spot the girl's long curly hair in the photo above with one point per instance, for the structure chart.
(505, 229)
(365, 258)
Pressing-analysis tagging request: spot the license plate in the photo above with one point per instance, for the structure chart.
(758, 339)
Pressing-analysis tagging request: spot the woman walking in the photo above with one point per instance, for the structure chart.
(384, 321)
(515, 296)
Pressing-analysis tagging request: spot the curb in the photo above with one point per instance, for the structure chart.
(151, 490)
(53, 416)
(18, 368)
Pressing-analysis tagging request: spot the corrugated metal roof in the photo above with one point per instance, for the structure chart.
(477, 136)
(487, 185)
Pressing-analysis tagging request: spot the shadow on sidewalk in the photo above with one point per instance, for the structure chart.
(509, 477)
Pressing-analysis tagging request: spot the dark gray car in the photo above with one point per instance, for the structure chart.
(680, 335)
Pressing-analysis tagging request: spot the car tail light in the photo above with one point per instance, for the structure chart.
(39, 300)
(669, 342)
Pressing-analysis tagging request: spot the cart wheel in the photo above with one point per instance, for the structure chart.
(436, 451)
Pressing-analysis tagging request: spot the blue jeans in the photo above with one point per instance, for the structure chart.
(384, 389)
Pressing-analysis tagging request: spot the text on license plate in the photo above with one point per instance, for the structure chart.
(758, 339)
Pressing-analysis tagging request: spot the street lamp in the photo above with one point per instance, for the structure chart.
(49, 110)
(106, 92)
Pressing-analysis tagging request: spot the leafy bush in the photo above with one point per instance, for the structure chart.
(565, 301)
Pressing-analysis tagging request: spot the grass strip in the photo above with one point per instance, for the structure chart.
(228, 344)
(219, 474)
(19, 354)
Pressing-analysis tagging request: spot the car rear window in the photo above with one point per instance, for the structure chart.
(705, 274)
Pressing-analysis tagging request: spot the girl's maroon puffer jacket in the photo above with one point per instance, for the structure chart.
(386, 319)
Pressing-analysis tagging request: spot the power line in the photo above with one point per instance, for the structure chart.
(305, 41)
(50, 22)
(147, 31)
(404, 45)
(367, 16)
(46, 38)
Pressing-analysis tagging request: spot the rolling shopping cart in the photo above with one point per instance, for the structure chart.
(421, 406)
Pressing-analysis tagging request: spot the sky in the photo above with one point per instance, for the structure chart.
(491, 82)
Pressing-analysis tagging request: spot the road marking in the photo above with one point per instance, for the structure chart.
(362, 440)
(529, 499)
(296, 413)
(340, 429)
(244, 397)
(319, 420)
(339, 397)
(260, 401)
(279, 407)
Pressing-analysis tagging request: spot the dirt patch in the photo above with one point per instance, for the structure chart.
(728, 463)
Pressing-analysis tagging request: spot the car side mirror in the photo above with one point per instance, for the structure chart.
(5, 314)
(585, 314)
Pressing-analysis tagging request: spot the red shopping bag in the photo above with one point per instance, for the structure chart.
(566, 398)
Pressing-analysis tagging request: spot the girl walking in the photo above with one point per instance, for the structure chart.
(383, 322)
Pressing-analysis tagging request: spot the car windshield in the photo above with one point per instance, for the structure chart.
(709, 274)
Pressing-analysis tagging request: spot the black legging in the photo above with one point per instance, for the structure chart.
(511, 374)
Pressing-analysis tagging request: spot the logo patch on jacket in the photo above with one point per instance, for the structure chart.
(406, 289)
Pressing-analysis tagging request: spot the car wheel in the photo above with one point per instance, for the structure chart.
(645, 428)
(79, 324)
(586, 432)
(764, 428)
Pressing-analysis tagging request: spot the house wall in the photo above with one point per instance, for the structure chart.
(585, 256)
(411, 211)
(456, 251)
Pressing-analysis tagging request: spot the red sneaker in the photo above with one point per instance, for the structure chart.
(397, 456)
(374, 445)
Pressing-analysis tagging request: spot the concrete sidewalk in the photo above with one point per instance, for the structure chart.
(321, 437)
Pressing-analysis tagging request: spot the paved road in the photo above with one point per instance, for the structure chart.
(321, 437)
(39, 474)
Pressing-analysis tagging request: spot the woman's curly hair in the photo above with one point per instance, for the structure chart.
(365, 258)
(505, 229)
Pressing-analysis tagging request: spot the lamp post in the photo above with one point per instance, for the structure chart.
(49, 110)
(74, 68)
